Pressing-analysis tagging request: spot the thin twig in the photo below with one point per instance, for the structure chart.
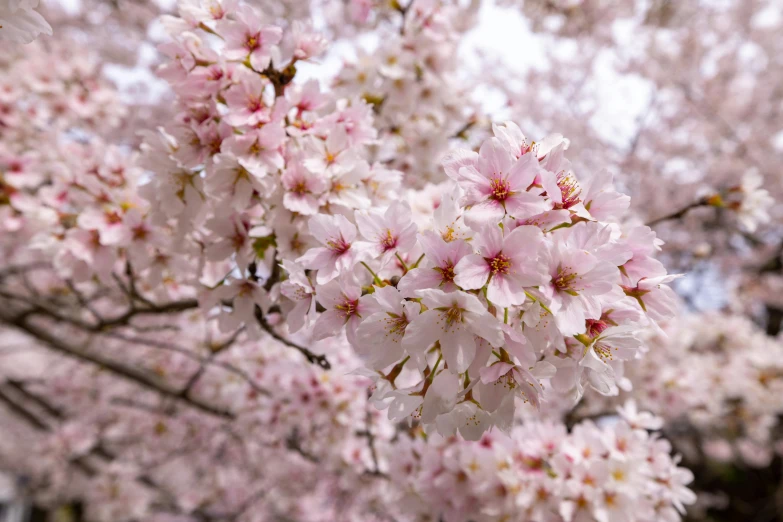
(680, 213)
(312, 358)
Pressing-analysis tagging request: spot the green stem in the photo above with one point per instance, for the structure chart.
(375, 278)
(404, 266)
(434, 368)
(535, 300)
(416, 264)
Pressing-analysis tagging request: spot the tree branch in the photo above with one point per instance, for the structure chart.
(58, 345)
(313, 358)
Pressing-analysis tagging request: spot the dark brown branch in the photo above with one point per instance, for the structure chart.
(187, 353)
(312, 358)
(124, 319)
(38, 401)
(22, 412)
(293, 443)
(22, 269)
(680, 213)
(367, 433)
(58, 345)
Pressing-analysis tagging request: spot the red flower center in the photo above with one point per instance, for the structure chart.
(339, 246)
(500, 189)
(500, 264)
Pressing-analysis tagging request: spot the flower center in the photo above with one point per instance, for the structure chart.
(564, 281)
(500, 189)
(603, 351)
(500, 264)
(216, 11)
(388, 241)
(254, 104)
(452, 314)
(255, 148)
(339, 246)
(569, 190)
(252, 43)
(595, 327)
(140, 233)
(238, 240)
(246, 288)
(300, 188)
(348, 308)
(446, 273)
(395, 326)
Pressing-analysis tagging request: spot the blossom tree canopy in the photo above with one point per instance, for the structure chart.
(236, 285)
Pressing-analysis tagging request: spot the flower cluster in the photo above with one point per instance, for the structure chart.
(522, 277)
(412, 82)
(542, 473)
(59, 179)
(252, 155)
(722, 376)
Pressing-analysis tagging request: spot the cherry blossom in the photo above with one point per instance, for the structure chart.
(339, 253)
(502, 264)
(454, 319)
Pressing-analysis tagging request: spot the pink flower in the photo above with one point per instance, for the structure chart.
(503, 379)
(109, 223)
(248, 38)
(339, 253)
(448, 217)
(498, 184)
(302, 188)
(307, 42)
(639, 420)
(347, 188)
(258, 149)
(505, 264)
(560, 183)
(229, 237)
(466, 417)
(345, 307)
(443, 258)
(455, 319)
(657, 300)
(299, 289)
(577, 279)
(601, 199)
(142, 235)
(86, 246)
(333, 154)
(206, 10)
(510, 136)
(389, 232)
(244, 295)
(379, 337)
(305, 97)
(245, 100)
(228, 181)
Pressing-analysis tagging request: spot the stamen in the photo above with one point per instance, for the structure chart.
(500, 189)
(500, 264)
(339, 246)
